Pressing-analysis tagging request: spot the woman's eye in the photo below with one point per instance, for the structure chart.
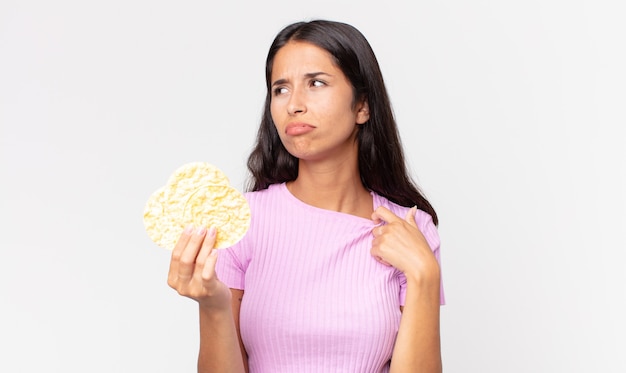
(317, 83)
(279, 90)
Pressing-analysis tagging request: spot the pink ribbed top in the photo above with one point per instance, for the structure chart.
(314, 298)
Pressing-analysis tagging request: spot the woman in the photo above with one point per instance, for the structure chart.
(339, 271)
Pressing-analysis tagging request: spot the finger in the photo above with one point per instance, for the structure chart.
(208, 272)
(410, 216)
(382, 261)
(207, 246)
(178, 249)
(188, 257)
(384, 214)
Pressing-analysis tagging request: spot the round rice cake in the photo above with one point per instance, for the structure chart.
(219, 206)
(161, 227)
(188, 176)
(197, 193)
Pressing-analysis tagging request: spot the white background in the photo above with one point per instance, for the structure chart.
(510, 112)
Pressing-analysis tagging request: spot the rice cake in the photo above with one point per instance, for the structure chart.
(200, 194)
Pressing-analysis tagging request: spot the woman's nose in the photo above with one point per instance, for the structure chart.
(296, 103)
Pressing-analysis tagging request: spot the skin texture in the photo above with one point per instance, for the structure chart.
(309, 91)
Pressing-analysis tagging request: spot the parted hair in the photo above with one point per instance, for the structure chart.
(382, 165)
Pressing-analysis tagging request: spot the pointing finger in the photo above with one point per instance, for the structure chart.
(384, 214)
(410, 216)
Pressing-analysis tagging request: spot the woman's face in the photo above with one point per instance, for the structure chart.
(312, 104)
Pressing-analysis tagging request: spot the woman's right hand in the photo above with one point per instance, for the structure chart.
(192, 269)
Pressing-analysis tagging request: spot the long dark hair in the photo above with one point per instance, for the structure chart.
(381, 158)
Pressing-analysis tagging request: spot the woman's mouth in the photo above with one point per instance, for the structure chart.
(295, 129)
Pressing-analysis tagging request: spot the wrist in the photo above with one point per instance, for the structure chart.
(214, 314)
(424, 278)
(212, 307)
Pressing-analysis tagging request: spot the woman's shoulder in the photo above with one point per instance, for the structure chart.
(274, 191)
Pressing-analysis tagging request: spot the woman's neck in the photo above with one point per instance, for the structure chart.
(335, 187)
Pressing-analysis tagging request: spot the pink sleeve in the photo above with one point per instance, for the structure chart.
(231, 267)
(232, 262)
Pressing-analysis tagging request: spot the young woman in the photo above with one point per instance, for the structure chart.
(339, 271)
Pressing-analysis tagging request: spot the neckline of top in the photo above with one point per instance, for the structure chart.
(376, 202)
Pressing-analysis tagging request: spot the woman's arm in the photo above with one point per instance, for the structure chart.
(400, 243)
(221, 348)
(418, 347)
(192, 274)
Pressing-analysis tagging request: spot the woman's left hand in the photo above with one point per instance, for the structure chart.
(400, 243)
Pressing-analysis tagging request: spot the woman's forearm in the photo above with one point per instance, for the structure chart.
(418, 346)
(219, 343)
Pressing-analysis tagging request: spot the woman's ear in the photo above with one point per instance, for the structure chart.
(363, 112)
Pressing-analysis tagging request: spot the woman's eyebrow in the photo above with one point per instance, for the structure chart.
(316, 74)
(279, 82)
(307, 76)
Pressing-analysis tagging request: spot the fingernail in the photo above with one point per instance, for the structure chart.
(189, 229)
(212, 232)
(201, 231)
